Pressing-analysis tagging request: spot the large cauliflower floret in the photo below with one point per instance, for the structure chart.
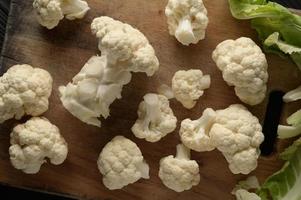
(244, 66)
(125, 46)
(188, 86)
(100, 82)
(155, 118)
(195, 133)
(33, 142)
(50, 12)
(24, 90)
(121, 163)
(93, 90)
(238, 135)
(179, 173)
(187, 20)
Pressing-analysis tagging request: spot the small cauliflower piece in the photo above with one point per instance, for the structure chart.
(242, 194)
(188, 86)
(238, 135)
(195, 133)
(155, 118)
(244, 66)
(33, 142)
(50, 12)
(100, 82)
(187, 20)
(125, 47)
(179, 173)
(121, 163)
(24, 90)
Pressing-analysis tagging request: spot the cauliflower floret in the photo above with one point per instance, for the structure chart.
(100, 82)
(50, 12)
(33, 142)
(187, 20)
(121, 163)
(93, 90)
(188, 86)
(238, 135)
(24, 90)
(244, 66)
(155, 118)
(179, 173)
(195, 133)
(124, 46)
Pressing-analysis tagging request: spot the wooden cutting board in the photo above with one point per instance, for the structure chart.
(64, 50)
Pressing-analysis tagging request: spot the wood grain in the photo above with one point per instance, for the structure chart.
(64, 50)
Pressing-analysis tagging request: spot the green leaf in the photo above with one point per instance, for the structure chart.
(268, 18)
(295, 118)
(286, 183)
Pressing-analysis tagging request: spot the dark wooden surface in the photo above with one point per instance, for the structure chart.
(64, 50)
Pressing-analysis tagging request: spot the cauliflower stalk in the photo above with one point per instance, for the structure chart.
(244, 66)
(187, 20)
(179, 173)
(238, 135)
(100, 82)
(121, 163)
(50, 12)
(195, 133)
(24, 90)
(188, 86)
(33, 142)
(155, 118)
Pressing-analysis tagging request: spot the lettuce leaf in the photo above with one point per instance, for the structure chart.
(286, 183)
(268, 18)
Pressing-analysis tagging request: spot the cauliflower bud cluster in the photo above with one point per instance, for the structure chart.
(33, 142)
(121, 163)
(155, 118)
(124, 50)
(51, 12)
(24, 90)
(187, 20)
(244, 66)
(234, 131)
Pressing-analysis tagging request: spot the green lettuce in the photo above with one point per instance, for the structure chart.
(269, 19)
(286, 183)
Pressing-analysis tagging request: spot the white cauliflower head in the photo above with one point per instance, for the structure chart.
(195, 133)
(238, 135)
(187, 20)
(188, 86)
(24, 90)
(155, 118)
(179, 173)
(244, 66)
(35, 141)
(121, 163)
(93, 90)
(124, 46)
(50, 12)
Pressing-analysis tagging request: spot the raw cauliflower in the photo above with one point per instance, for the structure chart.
(93, 90)
(33, 142)
(187, 20)
(24, 90)
(244, 66)
(121, 163)
(100, 82)
(238, 135)
(155, 118)
(188, 86)
(195, 133)
(179, 173)
(125, 47)
(50, 12)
